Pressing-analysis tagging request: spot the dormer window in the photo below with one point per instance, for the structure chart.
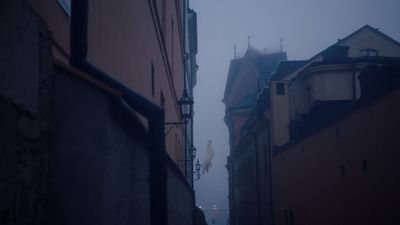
(369, 52)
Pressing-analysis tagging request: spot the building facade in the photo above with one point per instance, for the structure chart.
(339, 131)
(91, 90)
(312, 142)
(248, 200)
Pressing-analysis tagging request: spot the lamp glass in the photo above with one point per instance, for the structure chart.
(186, 105)
(198, 166)
(193, 151)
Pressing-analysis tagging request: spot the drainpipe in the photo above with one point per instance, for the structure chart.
(257, 180)
(353, 79)
(154, 114)
(270, 172)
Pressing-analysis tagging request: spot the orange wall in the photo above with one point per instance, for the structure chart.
(322, 179)
(127, 41)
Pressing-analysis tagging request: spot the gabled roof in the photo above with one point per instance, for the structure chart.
(341, 41)
(366, 27)
(375, 30)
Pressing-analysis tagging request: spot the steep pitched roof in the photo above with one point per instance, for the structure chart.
(287, 67)
(269, 62)
(233, 70)
(265, 63)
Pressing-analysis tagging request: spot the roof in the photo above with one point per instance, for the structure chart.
(340, 41)
(233, 70)
(287, 67)
(265, 63)
(366, 27)
(247, 101)
(269, 62)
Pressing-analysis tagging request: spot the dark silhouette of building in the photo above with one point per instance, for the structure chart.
(88, 93)
(244, 89)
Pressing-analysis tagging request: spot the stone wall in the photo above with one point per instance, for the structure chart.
(180, 198)
(99, 166)
(26, 114)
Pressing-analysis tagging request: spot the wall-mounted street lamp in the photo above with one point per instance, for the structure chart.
(186, 106)
(198, 167)
(192, 150)
(186, 112)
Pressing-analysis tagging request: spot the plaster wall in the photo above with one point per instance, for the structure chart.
(280, 114)
(180, 199)
(344, 174)
(98, 170)
(368, 39)
(129, 43)
(330, 86)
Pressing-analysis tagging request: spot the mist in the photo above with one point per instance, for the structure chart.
(305, 27)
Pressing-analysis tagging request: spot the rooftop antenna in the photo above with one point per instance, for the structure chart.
(248, 41)
(234, 52)
(281, 45)
(265, 50)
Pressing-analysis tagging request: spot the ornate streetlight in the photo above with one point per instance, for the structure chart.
(192, 150)
(186, 106)
(198, 167)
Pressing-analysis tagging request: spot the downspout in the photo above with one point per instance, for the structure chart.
(189, 177)
(270, 172)
(154, 114)
(257, 180)
(353, 78)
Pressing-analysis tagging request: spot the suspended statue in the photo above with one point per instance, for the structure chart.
(209, 154)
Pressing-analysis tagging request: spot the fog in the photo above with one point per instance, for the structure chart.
(306, 28)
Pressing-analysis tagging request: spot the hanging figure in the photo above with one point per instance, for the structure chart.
(209, 154)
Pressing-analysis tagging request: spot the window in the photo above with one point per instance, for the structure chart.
(364, 163)
(162, 100)
(286, 217)
(368, 52)
(308, 95)
(172, 44)
(291, 218)
(280, 88)
(152, 79)
(343, 171)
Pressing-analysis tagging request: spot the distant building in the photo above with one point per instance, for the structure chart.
(336, 161)
(245, 83)
(323, 135)
(91, 91)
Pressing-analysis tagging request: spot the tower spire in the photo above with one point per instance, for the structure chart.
(281, 45)
(234, 51)
(248, 41)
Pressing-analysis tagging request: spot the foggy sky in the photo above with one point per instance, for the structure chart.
(306, 27)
